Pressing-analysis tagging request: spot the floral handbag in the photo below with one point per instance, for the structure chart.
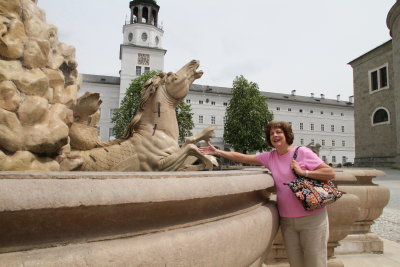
(313, 194)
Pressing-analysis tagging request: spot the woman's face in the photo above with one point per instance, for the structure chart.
(277, 137)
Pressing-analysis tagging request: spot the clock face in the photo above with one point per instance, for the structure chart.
(144, 37)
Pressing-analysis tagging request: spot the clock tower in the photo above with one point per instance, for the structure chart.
(141, 50)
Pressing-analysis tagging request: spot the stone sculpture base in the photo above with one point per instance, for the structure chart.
(360, 243)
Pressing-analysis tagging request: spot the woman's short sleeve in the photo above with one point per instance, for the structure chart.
(309, 159)
(263, 158)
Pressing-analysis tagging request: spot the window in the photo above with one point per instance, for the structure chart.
(342, 129)
(380, 116)
(278, 108)
(324, 159)
(342, 114)
(301, 126)
(225, 103)
(207, 100)
(378, 78)
(344, 159)
(224, 120)
(213, 103)
(343, 143)
(332, 128)
(323, 142)
(332, 113)
(212, 119)
(322, 128)
(312, 142)
(289, 109)
(200, 118)
(146, 69)
(322, 112)
(311, 111)
(300, 110)
(312, 126)
(138, 70)
(333, 143)
(290, 123)
(187, 101)
(334, 159)
(201, 102)
(301, 141)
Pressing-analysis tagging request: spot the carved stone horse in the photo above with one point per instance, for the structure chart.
(151, 140)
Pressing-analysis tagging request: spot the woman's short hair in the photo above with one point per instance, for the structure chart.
(284, 126)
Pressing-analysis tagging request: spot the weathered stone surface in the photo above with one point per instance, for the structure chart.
(10, 9)
(12, 38)
(36, 53)
(20, 160)
(33, 111)
(9, 98)
(32, 82)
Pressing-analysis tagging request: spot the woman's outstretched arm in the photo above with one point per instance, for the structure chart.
(233, 156)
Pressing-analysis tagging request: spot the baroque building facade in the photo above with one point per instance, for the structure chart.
(315, 120)
(376, 76)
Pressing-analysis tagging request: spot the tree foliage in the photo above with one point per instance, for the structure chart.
(122, 116)
(246, 116)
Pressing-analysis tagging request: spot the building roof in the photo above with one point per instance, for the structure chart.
(91, 78)
(370, 52)
(275, 96)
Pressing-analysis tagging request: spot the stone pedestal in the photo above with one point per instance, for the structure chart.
(136, 219)
(373, 198)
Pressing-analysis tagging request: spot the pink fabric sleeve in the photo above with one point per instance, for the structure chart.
(309, 159)
(263, 158)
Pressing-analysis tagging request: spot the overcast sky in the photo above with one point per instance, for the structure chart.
(281, 45)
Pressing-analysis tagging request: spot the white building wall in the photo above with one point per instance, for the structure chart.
(342, 116)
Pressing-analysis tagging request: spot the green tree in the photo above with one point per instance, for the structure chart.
(246, 116)
(122, 116)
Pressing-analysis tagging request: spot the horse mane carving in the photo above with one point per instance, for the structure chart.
(149, 89)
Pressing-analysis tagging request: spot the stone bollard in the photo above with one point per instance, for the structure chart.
(373, 199)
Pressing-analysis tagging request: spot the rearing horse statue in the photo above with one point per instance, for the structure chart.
(151, 140)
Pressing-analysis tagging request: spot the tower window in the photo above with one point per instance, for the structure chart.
(146, 69)
(200, 118)
(381, 116)
(378, 78)
(138, 70)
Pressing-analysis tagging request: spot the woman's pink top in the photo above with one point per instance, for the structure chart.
(279, 165)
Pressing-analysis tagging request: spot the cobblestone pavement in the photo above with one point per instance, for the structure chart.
(388, 224)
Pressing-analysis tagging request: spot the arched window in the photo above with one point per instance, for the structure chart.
(380, 116)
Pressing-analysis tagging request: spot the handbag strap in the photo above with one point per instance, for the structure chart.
(295, 157)
(295, 153)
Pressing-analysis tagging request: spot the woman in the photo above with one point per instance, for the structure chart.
(305, 233)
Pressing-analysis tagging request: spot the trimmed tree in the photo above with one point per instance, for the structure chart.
(246, 116)
(122, 116)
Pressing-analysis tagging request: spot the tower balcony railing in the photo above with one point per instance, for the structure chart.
(128, 22)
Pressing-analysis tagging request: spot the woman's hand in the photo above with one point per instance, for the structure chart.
(294, 165)
(209, 150)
